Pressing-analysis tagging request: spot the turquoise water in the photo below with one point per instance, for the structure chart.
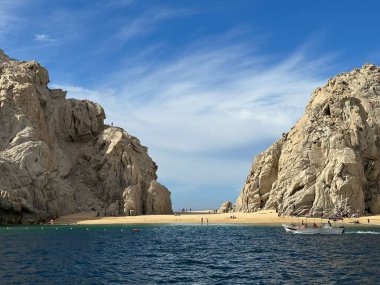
(186, 254)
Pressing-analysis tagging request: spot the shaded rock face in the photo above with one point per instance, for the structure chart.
(226, 207)
(329, 162)
(58, 157)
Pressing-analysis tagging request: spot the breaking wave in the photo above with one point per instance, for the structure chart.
(364, 232)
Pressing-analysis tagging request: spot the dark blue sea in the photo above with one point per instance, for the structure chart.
(186, 254)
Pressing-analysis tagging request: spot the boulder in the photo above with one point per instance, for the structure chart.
(226, 207)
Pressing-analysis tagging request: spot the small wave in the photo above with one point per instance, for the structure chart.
(364, 232)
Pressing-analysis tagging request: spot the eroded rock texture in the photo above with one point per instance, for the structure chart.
(58, 157)
(226, 207)
(329, 162)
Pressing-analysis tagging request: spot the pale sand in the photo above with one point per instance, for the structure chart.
(261, 217)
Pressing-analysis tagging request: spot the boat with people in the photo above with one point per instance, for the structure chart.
(323, 229)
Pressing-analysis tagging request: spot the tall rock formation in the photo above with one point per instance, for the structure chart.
(58, 157)
(329, 162)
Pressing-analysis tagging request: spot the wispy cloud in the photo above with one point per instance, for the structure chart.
(44, 38)
(205, 113)
(148, 21)
(8, 16)
(106, 97)
(214, 89)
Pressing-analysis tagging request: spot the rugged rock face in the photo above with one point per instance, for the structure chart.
(58, 157)
(329, 162)
(226, 207)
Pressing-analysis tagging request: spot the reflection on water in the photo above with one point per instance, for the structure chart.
(186, 254)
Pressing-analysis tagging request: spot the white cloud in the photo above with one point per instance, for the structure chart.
(215, 99)
(200, 112)
(148, 21)
(106, 96)
(43, 38)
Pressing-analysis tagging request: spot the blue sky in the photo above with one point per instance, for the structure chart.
(206, 85)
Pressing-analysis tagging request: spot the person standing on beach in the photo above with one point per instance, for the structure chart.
(207, 221)
(202, 221)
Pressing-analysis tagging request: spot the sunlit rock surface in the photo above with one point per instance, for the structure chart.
(329, 162)
(58, 157)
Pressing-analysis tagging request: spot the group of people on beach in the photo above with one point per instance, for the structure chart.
(205, 219)
(185, 210)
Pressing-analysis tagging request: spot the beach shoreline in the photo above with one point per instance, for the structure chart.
(264, 217)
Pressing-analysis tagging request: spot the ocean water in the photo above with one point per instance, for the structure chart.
(186, 254)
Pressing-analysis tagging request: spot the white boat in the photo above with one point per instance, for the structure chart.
(325, 229)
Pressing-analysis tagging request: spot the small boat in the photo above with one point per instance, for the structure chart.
(325, 229)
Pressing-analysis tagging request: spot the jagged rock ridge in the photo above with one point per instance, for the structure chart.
(329, 162)
(58, 157)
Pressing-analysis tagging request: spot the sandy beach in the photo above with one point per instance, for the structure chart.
(264, 217)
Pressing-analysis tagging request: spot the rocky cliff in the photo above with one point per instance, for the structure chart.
(58, 157)
(329, 162)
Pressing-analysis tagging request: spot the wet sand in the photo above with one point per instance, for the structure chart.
(264, 217)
